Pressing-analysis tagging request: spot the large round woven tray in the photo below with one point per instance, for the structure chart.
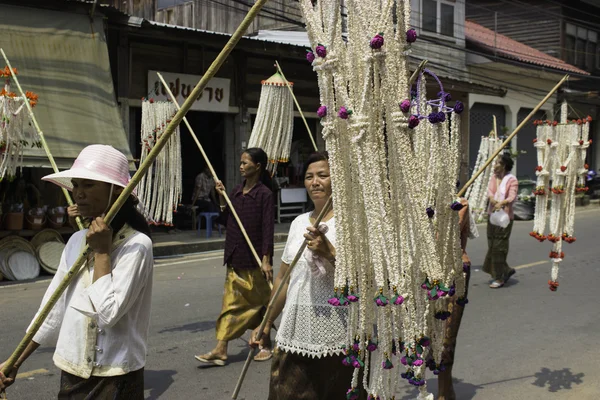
(8, 244)
(47, 235)
(4, 269)
(22, 264)
(49, 255)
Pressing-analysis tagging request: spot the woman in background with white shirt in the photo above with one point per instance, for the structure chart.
(100, 323)
(307, 363)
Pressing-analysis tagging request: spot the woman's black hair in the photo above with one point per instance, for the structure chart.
(258, 156)
(313, 158)
(128, 214)
(508, 162)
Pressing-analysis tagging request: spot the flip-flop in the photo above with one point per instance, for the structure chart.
(263, 351)
(212, 360)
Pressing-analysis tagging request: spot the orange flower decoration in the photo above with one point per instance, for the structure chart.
(32, 97)
(6, 72)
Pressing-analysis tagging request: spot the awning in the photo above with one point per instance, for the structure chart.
(63, 57)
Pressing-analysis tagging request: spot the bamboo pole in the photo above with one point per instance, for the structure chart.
(214, 174)
(495, 128)
(512, 135)
(127, 191)
(287, 83)
(277, 293)
(415, 74)
(41, 135)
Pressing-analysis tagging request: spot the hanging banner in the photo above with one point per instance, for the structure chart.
(215, 96)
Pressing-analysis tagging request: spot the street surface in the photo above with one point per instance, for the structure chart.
(518, 342)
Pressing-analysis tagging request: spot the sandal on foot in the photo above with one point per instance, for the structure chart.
(263, 355)
(496, 284)
(510, 273)
(210, 358)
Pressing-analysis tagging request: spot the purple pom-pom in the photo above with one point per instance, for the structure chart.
(321, 51)
(433, 118)
(347, 361)
(405, 106)
(459, 107)
(418, 362)
(398, 300)
(334, 301)
(380, 303)
(355, 347)
(441, 116)
(430, 214)
(456, 206)
(322, 111)
(372, 347)
(425, 342)
(403, 361)
(413, 121)
(444, 96)
(352, 298)
(377, 42)
(452, 291)
(343, 113)
(310, 56)
(356, 363)
(411, 35)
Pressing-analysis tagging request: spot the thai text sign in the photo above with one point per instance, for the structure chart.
(214, 97)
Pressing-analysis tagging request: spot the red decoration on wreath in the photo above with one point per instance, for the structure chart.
(537, 236)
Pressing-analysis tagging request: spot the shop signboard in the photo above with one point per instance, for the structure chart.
(214, 97)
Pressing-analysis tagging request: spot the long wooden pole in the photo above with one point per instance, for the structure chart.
(77, 266)
(41, 135)
(415, 75)
(276, 295)
(287, 83)
(512, 135)
(214, 174)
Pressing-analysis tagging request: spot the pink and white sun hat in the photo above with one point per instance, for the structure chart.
(96, 162)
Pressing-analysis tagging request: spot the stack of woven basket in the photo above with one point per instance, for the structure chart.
(49, 245)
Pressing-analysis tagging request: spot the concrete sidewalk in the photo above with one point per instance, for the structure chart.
(185, 242)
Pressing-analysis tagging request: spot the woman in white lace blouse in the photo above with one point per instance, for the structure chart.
(307, 363)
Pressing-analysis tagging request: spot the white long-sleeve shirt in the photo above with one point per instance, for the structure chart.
(101, 328)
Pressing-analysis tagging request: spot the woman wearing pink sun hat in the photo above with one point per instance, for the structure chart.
(100, 324)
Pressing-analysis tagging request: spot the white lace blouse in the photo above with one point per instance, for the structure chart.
(310, 326)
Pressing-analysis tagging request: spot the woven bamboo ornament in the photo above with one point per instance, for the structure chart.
(394, 162)
(160, 189)
(274, 123)
(561, 149)
(15, 134)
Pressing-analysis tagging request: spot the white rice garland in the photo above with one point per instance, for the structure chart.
(160, 202)
(393, 188)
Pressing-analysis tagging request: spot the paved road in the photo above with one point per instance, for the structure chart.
(519, 342)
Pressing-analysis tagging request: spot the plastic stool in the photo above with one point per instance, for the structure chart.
(208, 216)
